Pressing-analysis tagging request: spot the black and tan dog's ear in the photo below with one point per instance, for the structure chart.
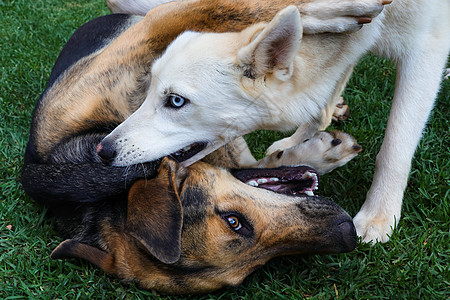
(75, 249)
(155, 214)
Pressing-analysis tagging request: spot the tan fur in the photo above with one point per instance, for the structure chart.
(212, 254)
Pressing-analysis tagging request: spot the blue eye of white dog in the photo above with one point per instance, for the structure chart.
(175, 101)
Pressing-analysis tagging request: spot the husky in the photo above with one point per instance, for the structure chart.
(209, 88)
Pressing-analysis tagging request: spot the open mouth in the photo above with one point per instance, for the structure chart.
(188, 151)
(286, 180)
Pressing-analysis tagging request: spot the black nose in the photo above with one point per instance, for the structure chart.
(348, 232)
(106, 151)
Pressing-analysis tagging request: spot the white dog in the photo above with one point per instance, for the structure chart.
(210, 88)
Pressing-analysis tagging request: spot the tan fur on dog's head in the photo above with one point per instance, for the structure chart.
(199, 229)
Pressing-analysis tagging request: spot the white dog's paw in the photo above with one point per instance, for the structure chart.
(325, 151)
(372, 228)
(304, 132)
(339, 16)
(332, 149)
(341, 111)
(282, 144)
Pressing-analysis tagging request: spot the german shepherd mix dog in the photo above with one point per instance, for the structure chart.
(210, 88)
(197, 229)
(185, 229)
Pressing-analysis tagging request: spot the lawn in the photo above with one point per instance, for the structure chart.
(413, 265)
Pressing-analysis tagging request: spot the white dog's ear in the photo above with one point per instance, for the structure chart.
(274, 49)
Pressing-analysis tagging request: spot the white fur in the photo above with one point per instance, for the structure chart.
(319, 152)
(318, 16)
(134, 7)
(208, 69)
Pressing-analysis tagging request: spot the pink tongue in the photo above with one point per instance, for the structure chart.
(272, 187)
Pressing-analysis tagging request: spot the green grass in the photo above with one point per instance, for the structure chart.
(413, 265)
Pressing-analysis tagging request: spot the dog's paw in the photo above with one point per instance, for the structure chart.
(279, 145)
(333, 149)
(325, 151)
(373, 228)
(381, 212)
(339, 16)
(341, 111)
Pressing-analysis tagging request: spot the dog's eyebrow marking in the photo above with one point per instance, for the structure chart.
(194, 201)
(236, 243)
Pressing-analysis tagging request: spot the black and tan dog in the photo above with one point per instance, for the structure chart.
(186, 230)
(198, 229)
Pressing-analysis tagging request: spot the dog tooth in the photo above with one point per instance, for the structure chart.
(309, 193)
(274, 179)
(252, 183)
(262, 180)
(307, 175)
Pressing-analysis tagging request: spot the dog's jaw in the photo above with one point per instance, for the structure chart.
(298, 180)
(188, 151)
(211, 147)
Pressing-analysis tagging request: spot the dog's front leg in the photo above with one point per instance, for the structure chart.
(303, 132)
(324, 152)
(418, 78)
(336, 107)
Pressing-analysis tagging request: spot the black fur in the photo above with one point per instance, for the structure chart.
(87, 39)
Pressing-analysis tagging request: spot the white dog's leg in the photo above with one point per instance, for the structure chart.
(325, 151)
(318, 16)
(303, 132)
(339, 15)
(134, 7)
(335, 110)
(419, 73)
